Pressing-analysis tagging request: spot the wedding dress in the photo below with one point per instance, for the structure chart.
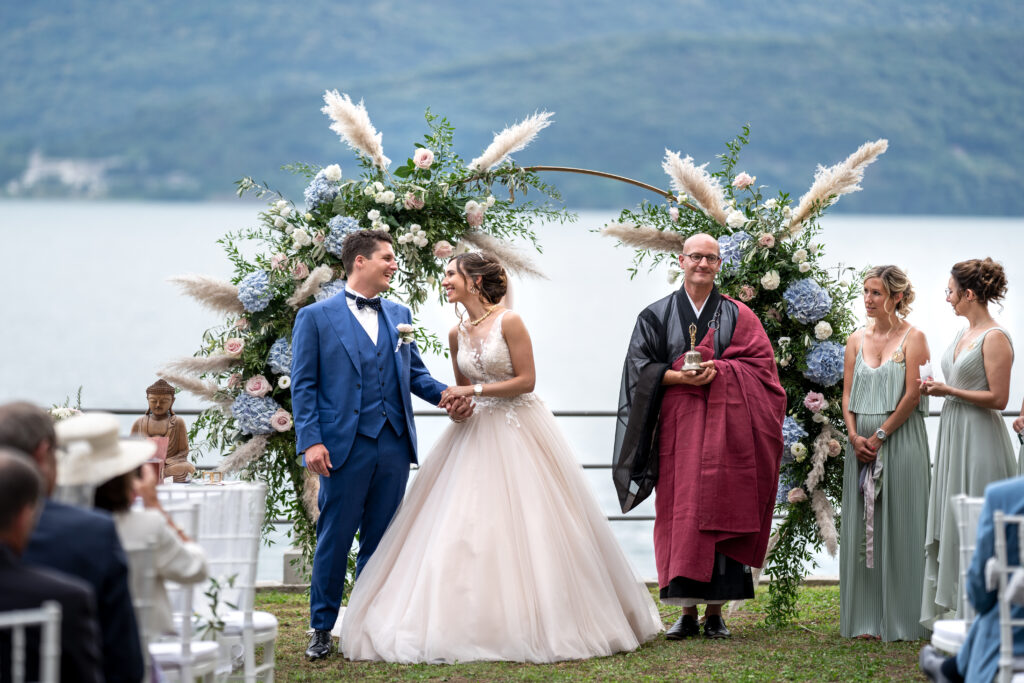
(499, 550)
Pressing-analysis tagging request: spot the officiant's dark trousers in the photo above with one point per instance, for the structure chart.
(362, 495)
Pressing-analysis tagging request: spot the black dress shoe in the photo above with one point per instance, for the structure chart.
(931, 662)
(714, 627)
(685, 627)
(320, 645)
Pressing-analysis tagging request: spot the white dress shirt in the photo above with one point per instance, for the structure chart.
(367, 317)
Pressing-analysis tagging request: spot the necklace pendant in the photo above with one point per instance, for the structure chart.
(897, 356)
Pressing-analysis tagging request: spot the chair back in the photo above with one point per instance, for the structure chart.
(142, 575)
(1008, 563)
(186, 514)
(47, 618)
(966, 510)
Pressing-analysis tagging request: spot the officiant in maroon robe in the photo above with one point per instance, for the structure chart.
(707, 441)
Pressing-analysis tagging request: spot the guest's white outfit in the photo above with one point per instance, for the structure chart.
(499, 551)
(173, 559)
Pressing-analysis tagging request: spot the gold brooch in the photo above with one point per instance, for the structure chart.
(897, 356)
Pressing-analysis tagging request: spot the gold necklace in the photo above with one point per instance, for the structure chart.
(479, 320)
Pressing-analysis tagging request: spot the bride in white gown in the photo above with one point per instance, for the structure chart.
(499, 550)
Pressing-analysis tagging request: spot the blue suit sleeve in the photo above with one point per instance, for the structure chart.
(982, 599)
(305, 371)
(420, 381)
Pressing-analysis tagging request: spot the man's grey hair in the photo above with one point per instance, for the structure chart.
(21, 485)
(23, 426)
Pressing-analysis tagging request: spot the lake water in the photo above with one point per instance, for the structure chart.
(87, 304)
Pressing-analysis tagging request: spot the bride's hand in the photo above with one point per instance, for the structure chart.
(454, 392)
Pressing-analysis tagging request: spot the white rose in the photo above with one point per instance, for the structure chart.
(421, 233)
(787, 211)
(284, 381)
(770, 204)
(402, 239)
(379, 198)
(285, 211)
(822, 330)
(490, 200)
(383, 227)
(378, 186)
(472, 206)
(301, 238)
(813, 247)
(279, 222)
(369, 191)
(799, 256)
(373, 215)
(805, 266)
(736, 219)
(673, 274)
(784, 361)
(421, 241)
(819, 418)
(333, 173)
(388, 197)
(770, 280)
(798, 450)
(784, 341)
(280, 204)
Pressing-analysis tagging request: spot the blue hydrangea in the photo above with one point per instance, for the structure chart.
(731, 249)
(253, 413)
(280, 360)
(807, 301)
(320, 191)
(791, 433)
(825, 363)
(329, 289)
(254, 291)
(340, 228)
(786, 482)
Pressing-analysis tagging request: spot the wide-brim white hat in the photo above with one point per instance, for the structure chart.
(94, 452)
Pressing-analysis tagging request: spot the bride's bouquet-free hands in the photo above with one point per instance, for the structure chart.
(458, 405)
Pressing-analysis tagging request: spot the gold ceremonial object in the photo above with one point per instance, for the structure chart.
(692, 359)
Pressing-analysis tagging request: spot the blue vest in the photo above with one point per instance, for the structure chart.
(381, 391)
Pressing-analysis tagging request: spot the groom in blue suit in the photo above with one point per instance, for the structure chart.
(351, 383)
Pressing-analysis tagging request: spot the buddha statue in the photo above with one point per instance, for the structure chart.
(167, 429)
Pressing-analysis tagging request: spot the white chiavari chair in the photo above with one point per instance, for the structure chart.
(948, 635)
(1010, 574)
(47, 619)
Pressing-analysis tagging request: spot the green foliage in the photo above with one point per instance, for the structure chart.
(291, 244)
(777, 255)
(210, 626)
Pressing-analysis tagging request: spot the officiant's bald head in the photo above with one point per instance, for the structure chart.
(702, 242)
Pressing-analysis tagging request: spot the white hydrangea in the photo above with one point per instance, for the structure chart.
(822, 331)
(333, 173)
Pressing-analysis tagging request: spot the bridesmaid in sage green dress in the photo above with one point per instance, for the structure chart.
(973, 448)
(887, 468)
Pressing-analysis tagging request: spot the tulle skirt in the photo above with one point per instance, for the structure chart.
(498, 552)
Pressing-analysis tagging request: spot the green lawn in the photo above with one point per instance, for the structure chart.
(810, 650)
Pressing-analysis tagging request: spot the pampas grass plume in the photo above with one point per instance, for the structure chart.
(211, 292)
(819, 456)
(509, 257)
(201, 365)
(833, 182)
(352, 124)
(512, 139)
(240, 458)
(645, 237)
(311, 494)
(826, 517)
(203, 388)
(311, 285)
(696, 182)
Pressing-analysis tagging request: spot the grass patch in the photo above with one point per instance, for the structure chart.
(809, 650)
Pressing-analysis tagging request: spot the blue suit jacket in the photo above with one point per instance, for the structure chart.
(326, 379)
(84, 543)
(978, 660)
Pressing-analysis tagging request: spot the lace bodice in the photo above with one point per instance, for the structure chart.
(490, 362)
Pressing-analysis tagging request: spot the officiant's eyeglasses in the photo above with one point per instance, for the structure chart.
(697, 258)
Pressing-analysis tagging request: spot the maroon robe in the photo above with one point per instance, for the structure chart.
(720, 447)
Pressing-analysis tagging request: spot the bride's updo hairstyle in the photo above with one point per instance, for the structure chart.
(894, 281)
(985, 278)
(493, 281)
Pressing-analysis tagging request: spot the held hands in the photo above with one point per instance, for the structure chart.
(456, 401)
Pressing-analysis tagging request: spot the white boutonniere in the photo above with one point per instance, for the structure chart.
(406, 334)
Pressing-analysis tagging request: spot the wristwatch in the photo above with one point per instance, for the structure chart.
(880, 433)
(478, 389)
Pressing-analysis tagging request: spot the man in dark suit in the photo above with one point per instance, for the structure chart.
(79, 542)
(352, 376)
(23, 587)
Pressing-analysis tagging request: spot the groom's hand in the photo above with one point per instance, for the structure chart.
(460, 409)
(318, 460)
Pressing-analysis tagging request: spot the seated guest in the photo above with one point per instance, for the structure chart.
(175, 557)
(24, 587)
(978, 659)
(78, 542)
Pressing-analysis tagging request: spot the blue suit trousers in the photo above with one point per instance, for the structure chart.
(362, 495)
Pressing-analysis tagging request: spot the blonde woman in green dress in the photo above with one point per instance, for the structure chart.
(887, 469)
(973, 448)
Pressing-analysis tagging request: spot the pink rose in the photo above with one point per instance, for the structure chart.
(743, 181)
(673, 213)
(257, 385)
(774, 315)
(277, 261)
(281, 420)
(412, 202)
(747, 293)
(423, 158)
(319, 238)
(834, 448)
(814, 401)
(234, 346)
(443, 250)
(797, 495)
(242, 324)
(300, 271)
(766, 240)
(234, 380)
(475, 218)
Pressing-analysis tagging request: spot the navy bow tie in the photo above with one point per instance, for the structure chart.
(362, 302)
